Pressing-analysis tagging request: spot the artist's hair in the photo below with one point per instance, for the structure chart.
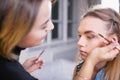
(112, 18)
(16, 20)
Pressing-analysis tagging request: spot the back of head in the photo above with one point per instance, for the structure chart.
(16, 20)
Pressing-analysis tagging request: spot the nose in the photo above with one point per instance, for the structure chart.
(50, 26)
(81, 42)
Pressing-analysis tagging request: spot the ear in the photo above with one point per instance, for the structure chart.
(113, 37)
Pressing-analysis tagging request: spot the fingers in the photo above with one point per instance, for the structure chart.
(39, 60)
(109, 47)
(117, 45)
(36, 66)
(112, 50)
(112, 54)
(114, 45)
(106, 53)
(39, 64)
(32, 58)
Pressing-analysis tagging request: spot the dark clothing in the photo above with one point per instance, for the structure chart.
(13, 70)
(17, 50)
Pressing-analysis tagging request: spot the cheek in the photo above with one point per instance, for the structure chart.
(33, 37)
(95, 44)
(26, 41)
(30, 40)
(29, 37)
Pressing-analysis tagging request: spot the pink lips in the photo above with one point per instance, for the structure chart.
(43, 37)
(83, 53)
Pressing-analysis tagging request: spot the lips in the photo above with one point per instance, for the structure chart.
(83, 53)
(43, 37)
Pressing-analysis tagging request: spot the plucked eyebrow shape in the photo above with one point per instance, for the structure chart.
(87, 32)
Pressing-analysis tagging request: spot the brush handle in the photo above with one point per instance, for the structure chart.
(41, 53)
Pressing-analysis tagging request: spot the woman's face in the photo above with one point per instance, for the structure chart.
(88, 32)
(40, 28)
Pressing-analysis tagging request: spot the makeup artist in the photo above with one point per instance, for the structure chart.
(99, 37)
(23, 24)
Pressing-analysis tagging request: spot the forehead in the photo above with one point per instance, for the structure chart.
(44, 13)
(45, 9)
(92, 24)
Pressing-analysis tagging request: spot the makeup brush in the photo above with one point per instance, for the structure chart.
(104, 38)
(118, 46)
(39, 56)
(41, 53)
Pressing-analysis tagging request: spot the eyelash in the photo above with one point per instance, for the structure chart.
(43, 27)
(88, 37)
(91, 37)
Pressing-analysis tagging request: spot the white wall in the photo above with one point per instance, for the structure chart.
(111, 3)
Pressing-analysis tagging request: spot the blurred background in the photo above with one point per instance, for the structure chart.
(61, 43)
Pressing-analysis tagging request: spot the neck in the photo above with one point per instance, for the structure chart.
(97, 68)
(17, 50)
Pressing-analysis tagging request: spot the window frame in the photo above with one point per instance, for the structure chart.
(62, 25)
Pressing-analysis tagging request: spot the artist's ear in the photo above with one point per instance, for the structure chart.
(113, 37)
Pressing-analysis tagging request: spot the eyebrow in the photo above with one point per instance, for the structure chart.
(87, 32)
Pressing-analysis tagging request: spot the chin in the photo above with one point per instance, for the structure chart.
(34, 45)
(38, 44)
(83, 58)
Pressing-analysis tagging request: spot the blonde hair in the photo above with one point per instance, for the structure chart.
(16, 20)
(112, 18)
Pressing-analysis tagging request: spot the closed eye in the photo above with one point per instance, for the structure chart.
(90, 36)
(43, 27)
